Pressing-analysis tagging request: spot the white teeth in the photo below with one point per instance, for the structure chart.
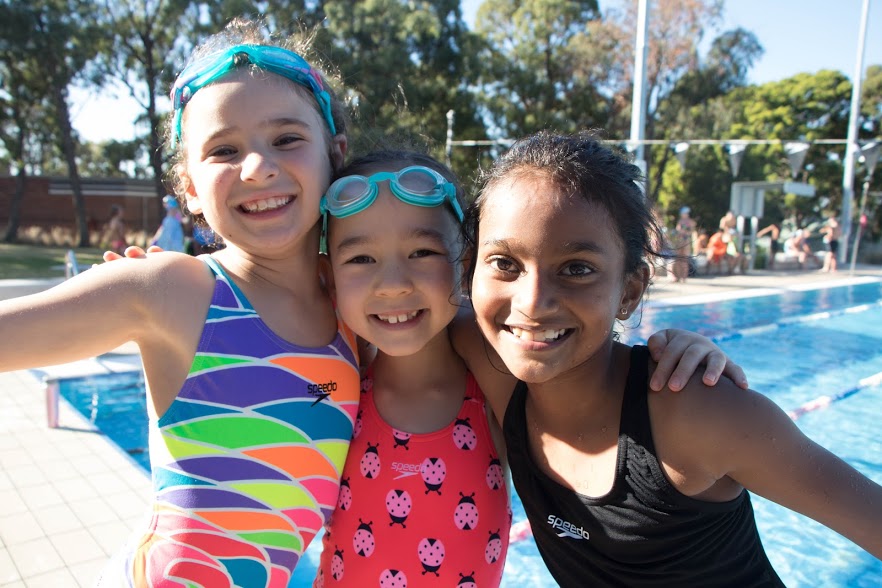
(268, 204)
(540, 336)
(397, 318)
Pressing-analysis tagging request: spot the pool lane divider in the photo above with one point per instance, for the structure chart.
(821, 401)
(827, 400)
(792, 320)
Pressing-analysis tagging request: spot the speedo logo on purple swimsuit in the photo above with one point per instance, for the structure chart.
(566, 528)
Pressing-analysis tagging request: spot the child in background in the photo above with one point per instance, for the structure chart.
(623, 487)
(170, 234)
(252, 379)
(115, 235)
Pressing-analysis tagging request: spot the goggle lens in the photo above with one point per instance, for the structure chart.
(418, 182)
(350, 190)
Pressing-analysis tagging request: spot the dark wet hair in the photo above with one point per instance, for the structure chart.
(578, 164)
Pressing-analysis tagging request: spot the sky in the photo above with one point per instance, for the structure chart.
(797, 35)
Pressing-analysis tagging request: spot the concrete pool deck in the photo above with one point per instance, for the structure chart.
(69, 497)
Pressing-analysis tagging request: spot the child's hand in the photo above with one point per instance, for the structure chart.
(133, 251)
(679, 353)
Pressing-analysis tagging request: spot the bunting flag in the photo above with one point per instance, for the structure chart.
(736, 154)
(680, 150)
(796, 152)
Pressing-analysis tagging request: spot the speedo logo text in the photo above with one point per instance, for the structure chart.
(566, 528)
(321, 391)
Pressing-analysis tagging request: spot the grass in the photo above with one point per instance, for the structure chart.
(40, 261)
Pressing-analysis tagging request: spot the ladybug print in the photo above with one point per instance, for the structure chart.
(495, 477)
(401, 438)
(370, 462)
(398, 505)
(363, 542)
(356, 428)
(433, 470)
(464, 436)
(337, 564)
(431, 553)
(465, 517)
(344, 499)
(393, 579)
(493, 551)
(467, 581)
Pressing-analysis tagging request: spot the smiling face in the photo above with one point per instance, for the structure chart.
(258, 160)
(395, 271)
(549, 278)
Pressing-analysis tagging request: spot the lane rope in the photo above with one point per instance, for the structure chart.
(827, 400)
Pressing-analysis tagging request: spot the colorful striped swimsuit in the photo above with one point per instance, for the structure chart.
(247, 460)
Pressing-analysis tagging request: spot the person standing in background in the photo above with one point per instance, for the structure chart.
(832, 231)
(115, 234)
(682, 238)
(774, 245)
(170, 234)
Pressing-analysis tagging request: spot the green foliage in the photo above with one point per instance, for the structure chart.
(404, 65)
(535, 73)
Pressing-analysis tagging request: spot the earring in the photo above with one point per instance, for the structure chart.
(623, 311)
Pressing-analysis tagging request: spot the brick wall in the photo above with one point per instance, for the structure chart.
(48, 202)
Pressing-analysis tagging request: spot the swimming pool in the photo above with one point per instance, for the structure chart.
(795, 345)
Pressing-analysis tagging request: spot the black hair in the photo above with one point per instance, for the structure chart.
(582, 165)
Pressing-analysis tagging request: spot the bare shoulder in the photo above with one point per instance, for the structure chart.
(700, 409)
(491, 374)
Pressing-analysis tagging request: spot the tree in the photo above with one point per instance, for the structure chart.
(404, 65)
(692, 110)
(144, 51)
(55, 40)
(537, 70)
(22, 96)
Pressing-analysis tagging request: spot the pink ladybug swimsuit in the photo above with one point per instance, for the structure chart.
(419, 509)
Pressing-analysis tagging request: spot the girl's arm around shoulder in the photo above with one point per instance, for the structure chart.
(679, 354)
(495, 380)
(725, 435)
(96, 311)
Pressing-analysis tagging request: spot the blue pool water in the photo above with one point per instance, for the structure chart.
(795, 347)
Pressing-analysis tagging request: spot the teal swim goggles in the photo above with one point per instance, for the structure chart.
(416, 185)
(272, 59)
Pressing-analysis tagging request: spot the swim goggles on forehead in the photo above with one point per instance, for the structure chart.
(416, 185)
(272, 59)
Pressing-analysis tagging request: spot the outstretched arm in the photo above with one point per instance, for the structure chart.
(751, 440)
(89, 314)
(679, 354)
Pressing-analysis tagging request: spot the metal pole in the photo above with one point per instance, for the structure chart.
(852, 148)
(448, 150)
(861, 222)
(638, 103)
